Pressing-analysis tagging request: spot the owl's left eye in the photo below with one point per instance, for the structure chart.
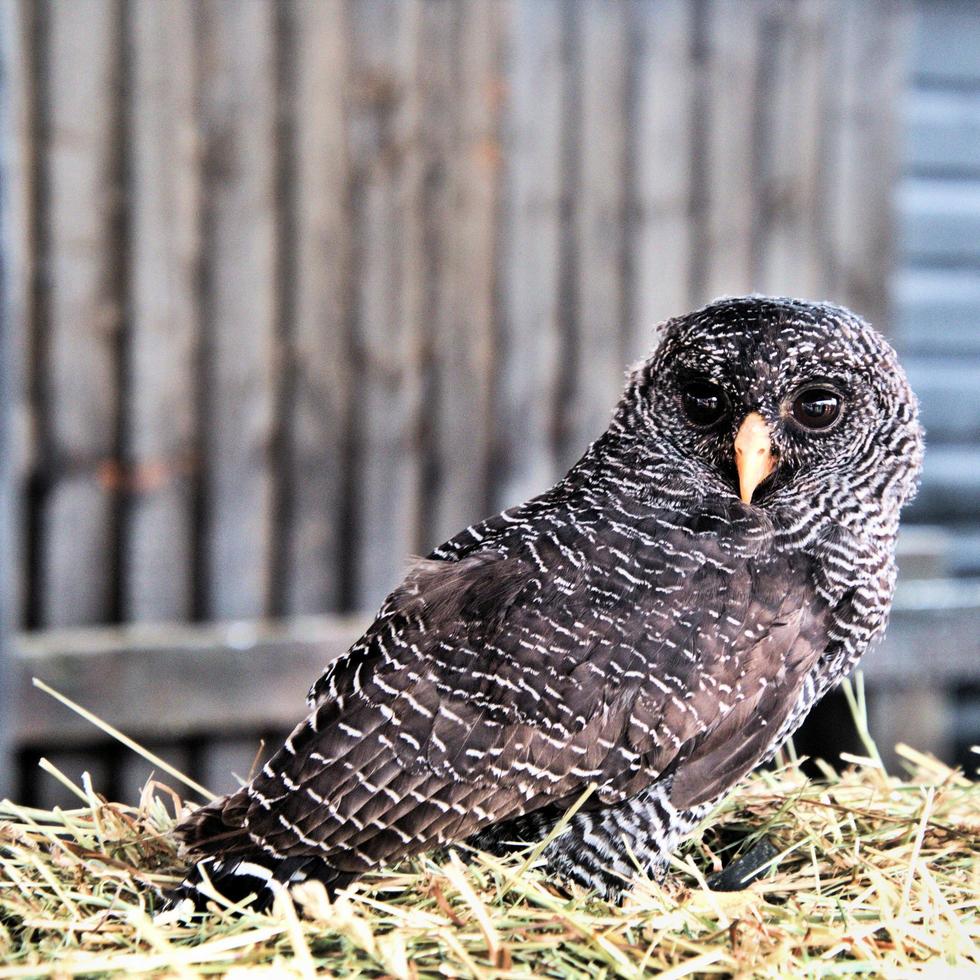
(704, 402)
(817, 407)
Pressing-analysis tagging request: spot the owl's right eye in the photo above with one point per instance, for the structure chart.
(704, 402)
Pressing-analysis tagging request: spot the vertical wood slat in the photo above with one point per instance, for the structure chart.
(734, 43)
(17, 270)
(84, 312)
(464, 350)
(238, 85)
(389, 299)
(437, 116)
(163, 334)
(529, 329)
(790, 200)
(661, 239)
(868, 74)
(599, 212)
(320, 356)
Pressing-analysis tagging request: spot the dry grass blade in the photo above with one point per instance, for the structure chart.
(131, 744)
(876, 875)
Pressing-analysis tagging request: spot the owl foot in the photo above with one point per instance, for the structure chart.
(751, 866)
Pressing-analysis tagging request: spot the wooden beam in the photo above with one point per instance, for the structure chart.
(736, 53)
(81, 167)
(319, 389)
(391, 160)
(238, 115)
(864, 152)
(600, 148)
(163, 340)
(661, 241)
(154, 681)
(464, 348)
(16, 274)
(530, 323)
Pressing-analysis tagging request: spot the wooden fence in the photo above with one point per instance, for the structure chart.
(293, 290)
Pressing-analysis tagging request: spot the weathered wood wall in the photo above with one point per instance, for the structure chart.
(293, 290)
(306, 286)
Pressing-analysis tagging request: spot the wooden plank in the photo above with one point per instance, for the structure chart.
(391, 291)
(17, 270)
(599, 206)
(161, 682)
(163, 333)
(793, 172)
(320, 359)
(530, 322)
(436, 83)
(662, 240)
(866, 72)
(466, 344)
(922, 551)
(735, 35)
(938, 619)
(84, 312)
(238, 107)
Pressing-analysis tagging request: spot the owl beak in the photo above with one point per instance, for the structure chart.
(753, 455)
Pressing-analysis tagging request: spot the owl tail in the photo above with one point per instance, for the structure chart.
(233, 866)
(259, 878)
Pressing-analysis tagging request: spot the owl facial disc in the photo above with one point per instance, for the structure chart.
(753, 455)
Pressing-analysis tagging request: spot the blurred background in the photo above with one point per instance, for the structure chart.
(294, 290)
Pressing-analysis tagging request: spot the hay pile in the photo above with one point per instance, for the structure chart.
(876, 875)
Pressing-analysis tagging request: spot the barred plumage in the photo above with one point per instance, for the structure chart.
(657, 623)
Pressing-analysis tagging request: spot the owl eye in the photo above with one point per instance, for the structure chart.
(704, 403)
(817, 407)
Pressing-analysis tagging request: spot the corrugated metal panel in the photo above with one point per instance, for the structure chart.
(936, 311)
(947, 52)
(940, 221)
(947, 387)
(944, 132)
(936, 289)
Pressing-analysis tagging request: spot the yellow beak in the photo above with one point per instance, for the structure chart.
(753, 455)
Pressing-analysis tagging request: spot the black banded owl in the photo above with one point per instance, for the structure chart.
(656, 624)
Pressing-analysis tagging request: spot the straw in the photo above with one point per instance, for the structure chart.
(877, 875)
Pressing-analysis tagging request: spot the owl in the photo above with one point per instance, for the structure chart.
(654, 626)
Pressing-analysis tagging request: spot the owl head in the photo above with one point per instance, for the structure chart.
(794, 407)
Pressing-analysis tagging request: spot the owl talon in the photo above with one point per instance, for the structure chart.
(751, 866)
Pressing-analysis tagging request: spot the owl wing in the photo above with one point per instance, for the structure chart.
(500, 683)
